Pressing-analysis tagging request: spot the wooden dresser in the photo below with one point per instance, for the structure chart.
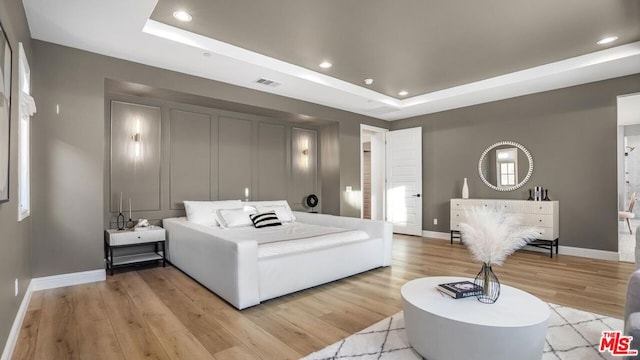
(541, 214)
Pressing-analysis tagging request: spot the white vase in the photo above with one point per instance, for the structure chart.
(465, 189)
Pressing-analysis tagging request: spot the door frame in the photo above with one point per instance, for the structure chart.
(381, 158)
(620, 176)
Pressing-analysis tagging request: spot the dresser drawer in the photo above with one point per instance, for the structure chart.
(119, 238)
(545, 233)
(537, 220)
(539, 207)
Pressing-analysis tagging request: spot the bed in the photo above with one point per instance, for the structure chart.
(246, 265)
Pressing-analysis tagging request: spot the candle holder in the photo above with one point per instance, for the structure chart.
(120, 221)
(129, 223)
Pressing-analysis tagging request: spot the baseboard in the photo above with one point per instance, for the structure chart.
(56, 281)
(562, 250)
(436, 235)
(12, 340)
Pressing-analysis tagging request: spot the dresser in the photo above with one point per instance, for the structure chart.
(541, 214)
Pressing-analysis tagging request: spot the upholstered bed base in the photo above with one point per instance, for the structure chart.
(232, 269)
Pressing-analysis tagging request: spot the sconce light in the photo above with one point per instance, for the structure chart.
(304, 158)
(137, 141)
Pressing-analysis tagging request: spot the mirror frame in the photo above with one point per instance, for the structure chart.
(509, 188)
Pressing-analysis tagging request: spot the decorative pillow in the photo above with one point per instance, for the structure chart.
(204, 212)
(265, 219)
(234, 218)
(282, 208)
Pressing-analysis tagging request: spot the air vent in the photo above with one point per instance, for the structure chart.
(267, 82)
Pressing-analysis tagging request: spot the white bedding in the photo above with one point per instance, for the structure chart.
(289, 238)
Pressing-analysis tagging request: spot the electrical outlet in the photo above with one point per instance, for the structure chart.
(435, 221)
(16, 288)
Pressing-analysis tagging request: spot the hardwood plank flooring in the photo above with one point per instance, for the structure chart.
(160, 313)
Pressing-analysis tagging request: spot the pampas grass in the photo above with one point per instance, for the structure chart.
(491, 235)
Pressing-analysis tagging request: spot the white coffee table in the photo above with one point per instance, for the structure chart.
(442, 328)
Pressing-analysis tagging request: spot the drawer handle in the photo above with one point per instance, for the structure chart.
(138, 237)
(540, 220)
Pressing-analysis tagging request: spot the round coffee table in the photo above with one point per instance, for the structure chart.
(442, 328)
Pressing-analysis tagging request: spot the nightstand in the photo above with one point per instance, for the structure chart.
(116, 239)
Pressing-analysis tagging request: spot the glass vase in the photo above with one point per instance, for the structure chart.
(489, 283)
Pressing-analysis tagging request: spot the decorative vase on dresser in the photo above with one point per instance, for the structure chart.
(544, 215)
(465, 189)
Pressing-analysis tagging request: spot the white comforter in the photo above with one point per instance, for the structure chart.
(290, 237)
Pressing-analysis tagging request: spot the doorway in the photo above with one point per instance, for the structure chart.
(628, 173)
(372, 172)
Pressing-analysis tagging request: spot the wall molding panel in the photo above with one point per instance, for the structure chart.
(204, 154)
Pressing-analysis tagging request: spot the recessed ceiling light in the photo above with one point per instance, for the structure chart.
(368, 81)
(182, 16)
(403, 93)
(607, 40)
(325, 65)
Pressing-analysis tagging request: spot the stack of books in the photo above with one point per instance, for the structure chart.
(460, 289)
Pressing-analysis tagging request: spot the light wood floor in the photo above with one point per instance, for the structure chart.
(159, 313)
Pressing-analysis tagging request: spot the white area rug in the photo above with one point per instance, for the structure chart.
(572, 334)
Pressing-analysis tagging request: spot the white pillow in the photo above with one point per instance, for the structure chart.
(204, 212)
(234, 218)
(285, 215)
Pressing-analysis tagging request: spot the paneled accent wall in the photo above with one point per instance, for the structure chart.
(135, 156)
(305, 165)
(190, 135)
(272, 162)
(235, 171)
(197, 153)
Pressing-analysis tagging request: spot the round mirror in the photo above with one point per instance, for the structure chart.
(505, 166)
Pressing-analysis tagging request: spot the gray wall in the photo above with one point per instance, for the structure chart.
(571, 134)
(69, 148)
(15, 237)
(198, 153)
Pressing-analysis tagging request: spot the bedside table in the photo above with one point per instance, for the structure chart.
(115, 239)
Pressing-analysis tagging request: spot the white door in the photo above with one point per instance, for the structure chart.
(404, 180)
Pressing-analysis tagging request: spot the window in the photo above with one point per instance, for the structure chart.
(507, 166)
(25, 110)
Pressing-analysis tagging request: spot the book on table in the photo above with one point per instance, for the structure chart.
(460, 289)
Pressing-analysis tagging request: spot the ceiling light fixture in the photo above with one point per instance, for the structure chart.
(368, 81)
(325, 65)
(182, 16)
(607, 40)
(403, 93)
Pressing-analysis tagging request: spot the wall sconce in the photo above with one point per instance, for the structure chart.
(137, 141)
(304, 158)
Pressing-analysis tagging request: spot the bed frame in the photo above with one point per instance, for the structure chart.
(232, 270)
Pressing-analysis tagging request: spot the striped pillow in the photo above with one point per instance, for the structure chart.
(265, 219)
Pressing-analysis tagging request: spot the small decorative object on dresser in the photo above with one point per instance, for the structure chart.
(537, 193)
(465, 189)
(491, 235)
